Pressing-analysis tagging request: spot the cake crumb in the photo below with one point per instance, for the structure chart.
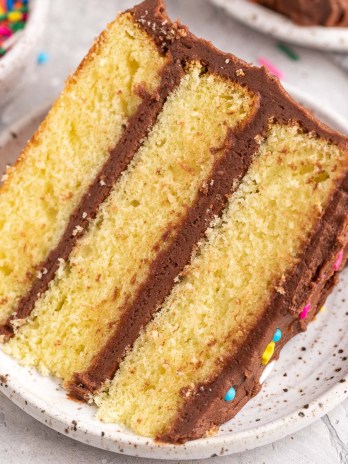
(240, 73)
(280, 290)
(186, 392)
(17, 323)
(212, 432)
(182, 32)
(60, 271)
(258, 139)
(77, 230)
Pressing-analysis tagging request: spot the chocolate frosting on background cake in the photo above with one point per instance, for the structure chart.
(328, 13)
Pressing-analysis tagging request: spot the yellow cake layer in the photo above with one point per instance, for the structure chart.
(67, 152)
(245, 257)
(73, 320)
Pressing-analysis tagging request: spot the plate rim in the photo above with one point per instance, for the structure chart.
(198, 449)
(318, 37)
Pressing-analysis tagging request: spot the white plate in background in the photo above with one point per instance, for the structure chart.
(274, 24)
(310, 378)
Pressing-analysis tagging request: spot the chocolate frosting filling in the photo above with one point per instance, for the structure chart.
(206, 407)
(328, 13)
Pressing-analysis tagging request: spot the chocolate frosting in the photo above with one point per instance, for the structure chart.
(205, 408)
(311, 12)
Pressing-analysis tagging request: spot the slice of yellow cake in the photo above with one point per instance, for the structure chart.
(176, 219)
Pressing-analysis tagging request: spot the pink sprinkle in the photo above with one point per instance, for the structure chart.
(338, 261)
(305, 311)
(271, 68)
(5, 31)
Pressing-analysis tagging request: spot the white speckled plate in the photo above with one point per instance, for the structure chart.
(310, 379)
(276, 25)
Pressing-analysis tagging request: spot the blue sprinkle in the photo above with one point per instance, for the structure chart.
(42, 58)
(230, 395)
(10, 5)
(277, 335)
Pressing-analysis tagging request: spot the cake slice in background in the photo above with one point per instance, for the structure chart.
(329, 13)
(207, 231)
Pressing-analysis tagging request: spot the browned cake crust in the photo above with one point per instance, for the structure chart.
(330, 13)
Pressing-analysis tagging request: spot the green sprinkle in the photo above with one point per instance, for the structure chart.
(288, 51)
(17, 26)
(3, 16)
(23, 9)
(2, 51)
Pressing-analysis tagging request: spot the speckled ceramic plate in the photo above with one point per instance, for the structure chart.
(310, 379)
(276, 25)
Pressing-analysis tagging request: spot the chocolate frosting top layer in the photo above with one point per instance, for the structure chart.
(328, 13)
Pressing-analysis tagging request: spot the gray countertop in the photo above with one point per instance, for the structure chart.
(72, 26)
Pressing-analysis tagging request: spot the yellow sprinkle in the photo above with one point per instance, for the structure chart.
(14, 16)
(322, 309)
(268, 353)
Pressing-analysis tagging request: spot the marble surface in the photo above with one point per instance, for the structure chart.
(72, 26)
